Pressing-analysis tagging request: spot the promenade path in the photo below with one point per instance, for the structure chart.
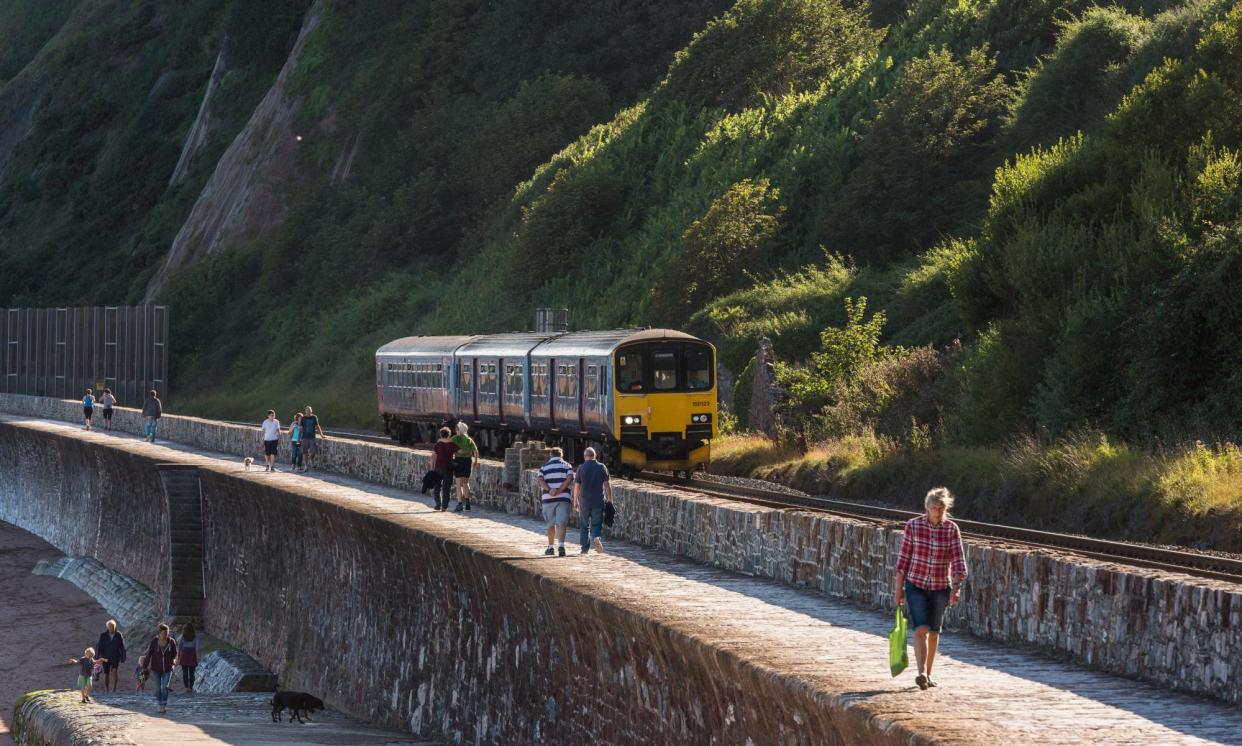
(988, 694)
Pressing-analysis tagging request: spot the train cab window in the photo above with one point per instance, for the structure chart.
(664, 371)
(630, 371)
(698, 368)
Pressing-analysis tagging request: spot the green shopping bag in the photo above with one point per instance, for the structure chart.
(897, 659)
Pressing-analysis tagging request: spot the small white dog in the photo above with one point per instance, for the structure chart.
(247, 461)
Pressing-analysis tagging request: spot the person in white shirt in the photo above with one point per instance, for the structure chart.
(271, 438)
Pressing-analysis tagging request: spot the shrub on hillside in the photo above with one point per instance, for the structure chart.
(718, 250)
(768, 47)
(921, 170)
(897, 396)
(1073, 88)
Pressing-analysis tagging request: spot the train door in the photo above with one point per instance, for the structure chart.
(502, 388)
(474, 399)
(579, 380)
(554, 389)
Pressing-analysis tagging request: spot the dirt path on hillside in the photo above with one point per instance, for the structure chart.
(43, 621)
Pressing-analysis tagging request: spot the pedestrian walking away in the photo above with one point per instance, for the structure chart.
(111, 647)
(311, 435)
(466, 456)
(86, 670)
(592, 490)
(931, 569)
(442, 461)
(187, 655)
(556, 479)
(152, 411)
(269, 432)
(161, 661)
(295, 441)
(108, 401)
(88, 406)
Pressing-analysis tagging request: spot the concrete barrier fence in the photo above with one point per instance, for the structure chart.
(1176, 631)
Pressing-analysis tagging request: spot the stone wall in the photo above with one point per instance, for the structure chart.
(1172, 630)
(89, 502)
(404, 622)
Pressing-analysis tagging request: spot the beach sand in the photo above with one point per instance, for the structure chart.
(43, 622)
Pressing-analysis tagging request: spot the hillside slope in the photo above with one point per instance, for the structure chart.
(1049, 187)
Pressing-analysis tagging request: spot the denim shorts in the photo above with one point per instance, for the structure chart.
(926, 608)
(556, 513)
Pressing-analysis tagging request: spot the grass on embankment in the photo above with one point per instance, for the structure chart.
(1083, 484)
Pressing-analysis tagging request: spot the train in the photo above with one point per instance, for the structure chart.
(643, 398)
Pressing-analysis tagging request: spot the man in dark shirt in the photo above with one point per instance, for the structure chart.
(111, 647)
(442, 461)
(592, 489)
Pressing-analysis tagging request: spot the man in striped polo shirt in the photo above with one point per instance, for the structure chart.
(556, 478)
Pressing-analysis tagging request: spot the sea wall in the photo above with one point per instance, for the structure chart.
(398, 619)
(1176, 631)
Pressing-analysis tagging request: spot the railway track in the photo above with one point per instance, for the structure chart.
(1171, 560)
(1197, 564)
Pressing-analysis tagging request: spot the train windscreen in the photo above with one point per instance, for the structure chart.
(664, 367)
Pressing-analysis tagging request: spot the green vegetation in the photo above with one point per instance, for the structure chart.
(982, 236)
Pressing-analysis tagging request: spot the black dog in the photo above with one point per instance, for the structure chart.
(431, 480)
(295, 701)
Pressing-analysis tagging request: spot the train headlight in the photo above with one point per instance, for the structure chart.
(631, 419)
(703, 418)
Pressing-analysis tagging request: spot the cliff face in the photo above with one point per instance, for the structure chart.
(247, 194)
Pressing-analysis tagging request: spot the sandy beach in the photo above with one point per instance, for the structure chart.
(43, 622)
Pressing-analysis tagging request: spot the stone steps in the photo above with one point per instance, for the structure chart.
(181, 488)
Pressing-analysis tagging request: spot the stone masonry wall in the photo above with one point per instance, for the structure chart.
(1173, 630)
(88, 503)
(404, 622)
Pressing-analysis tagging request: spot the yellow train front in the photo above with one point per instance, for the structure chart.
(665, 402)
(643, 398)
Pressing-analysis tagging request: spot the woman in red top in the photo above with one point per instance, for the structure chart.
(442, 461)
(931, 568)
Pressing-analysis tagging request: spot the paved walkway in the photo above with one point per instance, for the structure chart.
(130, 719)
(989, 694)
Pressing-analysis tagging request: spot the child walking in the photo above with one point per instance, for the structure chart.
(187, 655)
(86, 672)
(88, 406)
(295, 441)
(141, 675)
(108, 401)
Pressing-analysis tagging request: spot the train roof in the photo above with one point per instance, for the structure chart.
(582, 344)
(518, 344)
(424, 345)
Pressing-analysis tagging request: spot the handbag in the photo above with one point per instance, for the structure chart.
(897, 658)
(610, 514)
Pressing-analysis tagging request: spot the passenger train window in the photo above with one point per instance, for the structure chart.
(571, 381)
(465, 377)
(664, 369)
(630, 371)
(592, 383)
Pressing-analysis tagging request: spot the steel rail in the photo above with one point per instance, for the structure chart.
(1141, 555)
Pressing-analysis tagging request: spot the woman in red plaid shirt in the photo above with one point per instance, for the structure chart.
(930, 571)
